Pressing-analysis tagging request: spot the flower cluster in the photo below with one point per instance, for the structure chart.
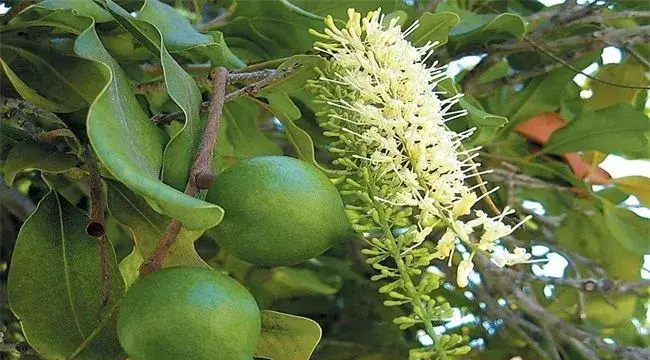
(405, 170)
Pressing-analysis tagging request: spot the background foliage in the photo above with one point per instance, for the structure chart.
(106, 73)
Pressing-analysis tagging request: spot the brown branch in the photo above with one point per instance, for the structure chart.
(248, 90)
(204, 80)
(589, 285)
(603, 37)
(529, 305)
(600, 18)
(201, 175)
(96, 225)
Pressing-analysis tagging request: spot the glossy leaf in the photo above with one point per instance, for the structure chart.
(30, 155)
(596, 130)
(130, 145)
(287, 337)
(55, 285)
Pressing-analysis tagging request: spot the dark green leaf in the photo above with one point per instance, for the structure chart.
(55, 285)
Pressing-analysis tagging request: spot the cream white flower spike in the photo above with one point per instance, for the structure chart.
(404, 167)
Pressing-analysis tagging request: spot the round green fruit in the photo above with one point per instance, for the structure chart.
(279, 211)
(188, 313)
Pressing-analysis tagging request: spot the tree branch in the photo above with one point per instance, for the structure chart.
(245, 91)
(201, 175)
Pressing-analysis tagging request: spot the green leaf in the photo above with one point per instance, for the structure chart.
(64, 77)
(129, 144)
(434, 27)
(178, 34)
(55, 285)
(32, 95)
(481, 28)
(240, 136)
(147, 227)
(287, 112)
(542, 94)
(287, 337)
(597, 130)
(30, 155)
(605, 95)
(638, 186)
(631, 230)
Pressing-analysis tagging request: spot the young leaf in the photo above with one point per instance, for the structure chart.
(287, 337)
(30, 155)
(638, 186)
(147, 227)
(55, 285)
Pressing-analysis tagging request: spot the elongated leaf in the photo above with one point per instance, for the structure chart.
(147, 227)
(631, 230)
(55, 285)
(287, 337)
(156, 18)
(30, 155)
(32, 95)
(65, 76)
(286, 112)
(638, 186)
(434, 27)
(130, 145)
(619, 129)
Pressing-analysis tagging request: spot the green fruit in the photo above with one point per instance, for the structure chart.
(188, 313)
(279, 211)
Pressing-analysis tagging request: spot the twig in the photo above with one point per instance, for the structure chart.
(602, 37)
(96, 225)
(247, 90)
(15, 10)
(532, 308)
(558, 59)
(600, 18)
(588, 285)
(201, 175)
(204, 80)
